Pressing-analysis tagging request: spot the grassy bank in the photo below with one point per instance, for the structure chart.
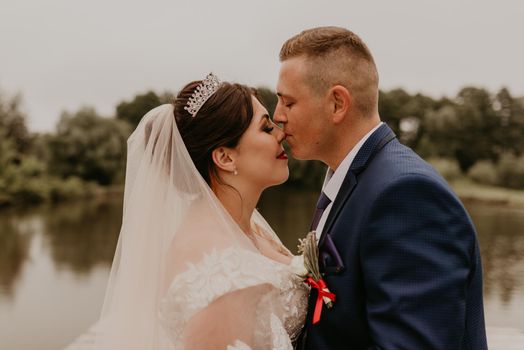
(470, 191)
(467, 190)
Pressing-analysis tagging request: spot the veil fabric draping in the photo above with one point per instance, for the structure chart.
(184, 275)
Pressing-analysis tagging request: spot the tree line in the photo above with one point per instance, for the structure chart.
(477, 134)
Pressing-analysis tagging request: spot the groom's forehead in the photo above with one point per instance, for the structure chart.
(290, 87)
(284, 93)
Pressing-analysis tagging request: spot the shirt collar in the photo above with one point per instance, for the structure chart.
(334, 179)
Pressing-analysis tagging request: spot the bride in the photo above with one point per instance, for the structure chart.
(196, 266)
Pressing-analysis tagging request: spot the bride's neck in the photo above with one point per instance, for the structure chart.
(240, 204)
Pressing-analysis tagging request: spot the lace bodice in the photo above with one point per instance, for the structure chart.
(279, 312)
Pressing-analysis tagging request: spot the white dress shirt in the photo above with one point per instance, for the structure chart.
(334, 179)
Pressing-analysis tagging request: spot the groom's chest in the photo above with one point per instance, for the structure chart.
(346, 222)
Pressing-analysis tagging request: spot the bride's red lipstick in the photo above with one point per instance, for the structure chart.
(282, 155)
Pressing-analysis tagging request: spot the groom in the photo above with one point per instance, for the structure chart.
(396, 245)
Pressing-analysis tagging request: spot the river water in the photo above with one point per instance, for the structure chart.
(55, 260)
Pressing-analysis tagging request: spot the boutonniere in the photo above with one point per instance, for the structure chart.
(308, 249)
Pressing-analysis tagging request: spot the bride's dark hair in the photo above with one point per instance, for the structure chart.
(221, 121)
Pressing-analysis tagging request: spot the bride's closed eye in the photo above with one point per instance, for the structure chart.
(268, 128)
(268, 125)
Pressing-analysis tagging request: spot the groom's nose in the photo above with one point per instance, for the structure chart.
(279, 116)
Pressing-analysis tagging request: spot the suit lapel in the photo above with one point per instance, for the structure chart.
(369, 149)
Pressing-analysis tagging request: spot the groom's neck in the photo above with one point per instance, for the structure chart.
(346, 138)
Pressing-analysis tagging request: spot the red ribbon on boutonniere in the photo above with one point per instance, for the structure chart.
(311, 273)
(323, 292)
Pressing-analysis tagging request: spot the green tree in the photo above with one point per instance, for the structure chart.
(89, 146)
(390, 106)
(268, 98)
(475, 130)
(13, 124)
(464, 129)
(510, 120)
(440, 138)
(15, 141)
(133, 111)
(405, 114)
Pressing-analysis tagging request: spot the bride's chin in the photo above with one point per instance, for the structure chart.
(278, 177)
(283, 178)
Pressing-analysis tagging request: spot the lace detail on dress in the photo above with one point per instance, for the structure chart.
(239, 346)
(282, 312)
(280, 338)
(294, 300)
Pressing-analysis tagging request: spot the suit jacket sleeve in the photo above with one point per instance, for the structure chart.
(417, 254)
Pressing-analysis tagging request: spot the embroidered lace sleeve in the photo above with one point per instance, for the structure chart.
(234, 297)
(239, 346)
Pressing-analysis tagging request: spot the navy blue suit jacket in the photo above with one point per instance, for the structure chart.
(408, 273)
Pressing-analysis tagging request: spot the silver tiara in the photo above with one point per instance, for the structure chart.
(202, 93)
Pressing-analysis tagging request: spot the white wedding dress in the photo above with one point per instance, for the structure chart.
(185, 276)
(233, 296)
(276, 317)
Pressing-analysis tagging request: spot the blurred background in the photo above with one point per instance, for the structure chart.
(76, 77)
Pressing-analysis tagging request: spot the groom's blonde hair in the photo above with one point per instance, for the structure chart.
(336, 56)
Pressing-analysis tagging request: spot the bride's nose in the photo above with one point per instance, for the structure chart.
(279, 134)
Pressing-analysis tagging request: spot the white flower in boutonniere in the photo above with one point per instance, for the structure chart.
(298, 267)
(309, 249)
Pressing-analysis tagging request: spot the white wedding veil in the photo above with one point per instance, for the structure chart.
(184, 275)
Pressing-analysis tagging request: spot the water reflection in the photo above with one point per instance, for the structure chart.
(62, 255)
(289, 212)
(82, 235)
(78, 237)
(15, 239)
(501, 236)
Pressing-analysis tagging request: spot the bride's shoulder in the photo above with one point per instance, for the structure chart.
(271, 247)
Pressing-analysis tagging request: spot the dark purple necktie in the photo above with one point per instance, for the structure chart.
(322, 204)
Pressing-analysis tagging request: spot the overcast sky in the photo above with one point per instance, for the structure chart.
(64, 54)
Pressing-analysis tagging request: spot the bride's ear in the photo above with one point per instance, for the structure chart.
(223, 157)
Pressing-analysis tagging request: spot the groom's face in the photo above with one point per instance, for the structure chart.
(300, 111)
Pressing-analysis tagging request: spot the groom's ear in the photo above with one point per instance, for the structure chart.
(223, 157)
(340, 100)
